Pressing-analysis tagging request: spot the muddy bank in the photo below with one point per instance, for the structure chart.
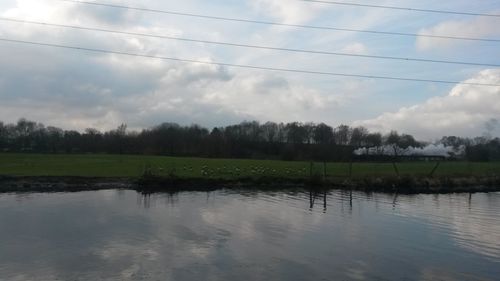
(403, 185)
(61, 184)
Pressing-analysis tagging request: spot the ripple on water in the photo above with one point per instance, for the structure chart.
(228, 234)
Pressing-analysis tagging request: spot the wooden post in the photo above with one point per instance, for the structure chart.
(350, 169)
(435, 168)
(324, 169)
(311, 170)
(395, 168)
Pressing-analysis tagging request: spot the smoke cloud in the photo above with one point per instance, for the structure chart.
(429, 150)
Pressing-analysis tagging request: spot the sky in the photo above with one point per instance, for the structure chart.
(76, 89)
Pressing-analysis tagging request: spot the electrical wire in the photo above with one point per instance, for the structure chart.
(250, 46)
(402, 8)
(246, 66)
(281, 24)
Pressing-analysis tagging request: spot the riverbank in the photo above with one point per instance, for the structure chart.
(76, 172)
(150, 184)
(134, 166)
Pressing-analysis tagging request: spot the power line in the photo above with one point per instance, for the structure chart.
(281, 24)
(245, 66)
(250, 46)
(401, 8)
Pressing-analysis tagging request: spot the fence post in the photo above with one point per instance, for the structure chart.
(434, 170)
(395, 168)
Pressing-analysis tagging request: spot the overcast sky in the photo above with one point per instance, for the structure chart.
(78, 89)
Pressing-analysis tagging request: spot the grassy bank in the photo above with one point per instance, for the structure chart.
(62, 172)
(134, 166)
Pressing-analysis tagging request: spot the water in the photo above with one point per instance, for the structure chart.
(229, 235)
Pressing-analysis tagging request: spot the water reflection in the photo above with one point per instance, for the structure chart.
(467, 230)
(313, 194)
(254, 235)
(147, 200)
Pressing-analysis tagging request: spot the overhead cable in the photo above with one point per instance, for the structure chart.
(402, 8)
(338, 74)
(282, 24)
(250, 46)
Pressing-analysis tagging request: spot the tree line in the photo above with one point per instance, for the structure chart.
(249, 139)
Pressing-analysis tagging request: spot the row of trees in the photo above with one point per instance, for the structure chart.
(290, 141)
(476, 149)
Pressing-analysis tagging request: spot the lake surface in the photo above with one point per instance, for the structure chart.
(241, 235)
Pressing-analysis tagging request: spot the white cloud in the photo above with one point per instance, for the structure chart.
(463, 112)
(293, 12)
(76, 89)
(34, 10)
(356, 48)
(56, 87)
(479, 27)
(66, 12)
(271, 97)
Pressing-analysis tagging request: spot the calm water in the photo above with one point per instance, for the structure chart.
(228, 235)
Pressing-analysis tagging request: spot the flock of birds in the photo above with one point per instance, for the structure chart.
(207, 171)
(232, 171)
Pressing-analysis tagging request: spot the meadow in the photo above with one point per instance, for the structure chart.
(131, 166)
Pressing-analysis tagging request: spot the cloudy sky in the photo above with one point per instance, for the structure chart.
(80, 89)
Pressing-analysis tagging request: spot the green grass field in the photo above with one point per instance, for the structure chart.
(99, 165)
